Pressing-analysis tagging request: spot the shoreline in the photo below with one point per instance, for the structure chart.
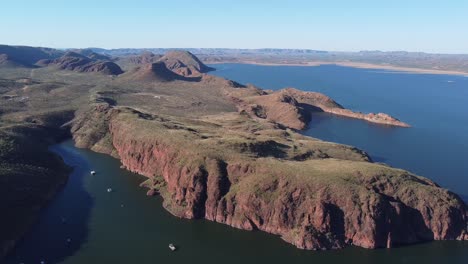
(359, 65)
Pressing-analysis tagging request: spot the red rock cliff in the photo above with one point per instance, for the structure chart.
(313, 204)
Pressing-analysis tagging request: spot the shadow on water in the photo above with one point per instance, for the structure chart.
(62, 227)
(378, 159)
(464, 198)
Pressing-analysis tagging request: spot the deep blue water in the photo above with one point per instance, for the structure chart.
(436, 106)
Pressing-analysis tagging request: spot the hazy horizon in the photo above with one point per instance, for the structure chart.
(363, 25)
(222, 48)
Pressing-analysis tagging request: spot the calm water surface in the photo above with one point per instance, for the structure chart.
(125, 226)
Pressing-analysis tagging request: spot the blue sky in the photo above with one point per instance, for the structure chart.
(430, 26)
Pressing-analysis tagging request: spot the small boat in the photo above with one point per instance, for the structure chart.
(172, 247)
(93, 172)
(109, 190)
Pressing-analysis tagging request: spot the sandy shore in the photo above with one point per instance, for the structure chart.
(354, 65)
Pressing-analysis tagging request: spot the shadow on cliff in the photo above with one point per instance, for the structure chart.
(464, 198)
(268, 148)
(62, 227)
(405, 224)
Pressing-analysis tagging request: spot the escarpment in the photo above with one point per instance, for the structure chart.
(330, 197)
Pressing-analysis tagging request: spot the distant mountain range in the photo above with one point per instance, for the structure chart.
(205, 51)
(452, 63)
(419, 60)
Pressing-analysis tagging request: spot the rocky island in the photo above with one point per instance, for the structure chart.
(211, 147)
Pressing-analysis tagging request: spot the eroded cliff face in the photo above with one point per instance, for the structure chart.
(327, 199)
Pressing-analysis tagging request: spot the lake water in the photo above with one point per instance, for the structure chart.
(126, 226)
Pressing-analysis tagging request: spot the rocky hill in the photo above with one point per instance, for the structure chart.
(157, 72)
(77, 62)
(144, 58)
(28, 56)
(184, 63)
(5, 60)
(92, 55)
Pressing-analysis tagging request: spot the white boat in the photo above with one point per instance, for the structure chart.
(109, 190)
(93, 172)
(172, 247)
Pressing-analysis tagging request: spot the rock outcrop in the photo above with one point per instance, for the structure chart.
(184, 63)
(154, 72)
(320, 201)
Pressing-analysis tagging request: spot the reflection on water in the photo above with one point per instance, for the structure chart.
(63, 227)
